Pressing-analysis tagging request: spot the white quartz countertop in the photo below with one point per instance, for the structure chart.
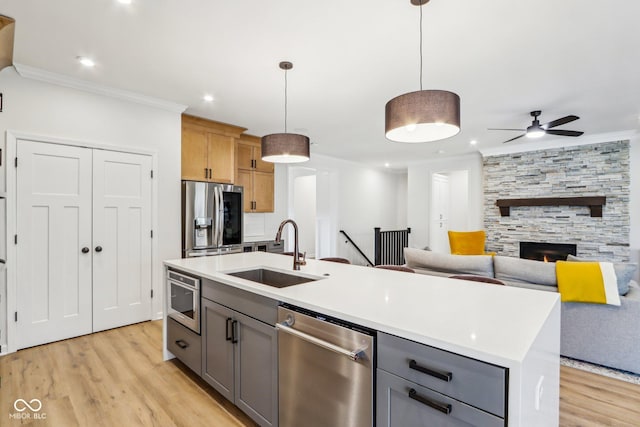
(496, 324)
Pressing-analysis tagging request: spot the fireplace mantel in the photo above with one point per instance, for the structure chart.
(594, 203)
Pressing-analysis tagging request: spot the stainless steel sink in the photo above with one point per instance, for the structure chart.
(273, 278)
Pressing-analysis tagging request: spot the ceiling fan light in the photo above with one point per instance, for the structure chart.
(535, 132)
(422, 116)
(285, 148)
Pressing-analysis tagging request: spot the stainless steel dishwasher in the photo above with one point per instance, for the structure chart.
(325, 371)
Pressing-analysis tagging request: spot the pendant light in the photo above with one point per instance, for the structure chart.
(425, 115)
(285, 147)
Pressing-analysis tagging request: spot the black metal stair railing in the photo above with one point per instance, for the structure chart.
(389, 246)
(357, 248)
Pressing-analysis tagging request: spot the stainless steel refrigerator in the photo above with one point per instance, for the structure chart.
(212, 218)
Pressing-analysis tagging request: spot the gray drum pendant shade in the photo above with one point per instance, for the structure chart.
(285, 147)
(422, 116)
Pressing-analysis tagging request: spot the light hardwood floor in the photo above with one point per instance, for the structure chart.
(118, 378)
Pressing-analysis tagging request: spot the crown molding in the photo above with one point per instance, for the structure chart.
(83, 85)
(559, 143)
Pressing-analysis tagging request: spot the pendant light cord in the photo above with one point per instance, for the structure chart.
(285, 101)
(421, 46)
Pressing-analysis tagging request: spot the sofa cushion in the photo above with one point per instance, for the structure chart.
(593, 282)
(624, 272)
(479, 265)
(518, 270)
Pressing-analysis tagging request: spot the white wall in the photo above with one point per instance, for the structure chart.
(354, 198)
(419, 193)
(39, 108)
(401, 200)
(304, 206)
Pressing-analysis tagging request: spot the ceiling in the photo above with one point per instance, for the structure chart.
(503, 57)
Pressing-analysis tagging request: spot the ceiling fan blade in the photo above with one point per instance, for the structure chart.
(521, 130)
(564, 132)
(509, 140)
(559, 122)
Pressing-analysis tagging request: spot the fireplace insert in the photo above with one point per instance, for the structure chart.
(549, 252)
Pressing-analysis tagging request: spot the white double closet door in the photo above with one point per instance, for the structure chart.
(84, 246)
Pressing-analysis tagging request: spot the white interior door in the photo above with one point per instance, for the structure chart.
(53, 226)
(121, 239)
(439, 238)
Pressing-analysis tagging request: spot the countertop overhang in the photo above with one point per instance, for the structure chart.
(496, 324)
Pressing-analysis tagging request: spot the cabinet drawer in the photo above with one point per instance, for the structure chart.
(477, 383)
(185, 345)
(259, 307)
(425, 407)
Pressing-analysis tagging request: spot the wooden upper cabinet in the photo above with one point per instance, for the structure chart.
(194, 155)
(208, 150)
(244, 155)
(244, 178)
(249, 154)
(263, 191)
(221, 152)
(254, 175)
(261, 165)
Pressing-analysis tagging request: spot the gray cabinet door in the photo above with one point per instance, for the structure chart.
(256, 376)
(185, 344)
(403, 403)
(217, 347)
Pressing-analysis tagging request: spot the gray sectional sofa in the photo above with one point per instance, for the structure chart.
(596, 333)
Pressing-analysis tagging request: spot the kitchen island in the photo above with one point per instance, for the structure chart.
(511, 328)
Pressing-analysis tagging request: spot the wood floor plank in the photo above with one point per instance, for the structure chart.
(117, 377)
(587, 399)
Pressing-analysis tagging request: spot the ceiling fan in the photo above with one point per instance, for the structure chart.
(536, 130)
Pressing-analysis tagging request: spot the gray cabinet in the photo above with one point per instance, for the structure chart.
(419, 385)
(217, 348)
(239, 359)
(184, 344)
(256, 373)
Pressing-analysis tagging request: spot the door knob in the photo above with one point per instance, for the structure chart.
(98, 248)
(85, 250)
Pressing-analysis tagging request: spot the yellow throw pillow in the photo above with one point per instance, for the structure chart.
(467, 242)
(593, 282)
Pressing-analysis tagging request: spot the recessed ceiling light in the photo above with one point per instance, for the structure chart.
(87, 62)
(208, 98)
(386, 165)
(473, 142)
(440, 151)
(124, 1)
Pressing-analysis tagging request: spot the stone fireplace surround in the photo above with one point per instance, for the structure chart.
(577, 171)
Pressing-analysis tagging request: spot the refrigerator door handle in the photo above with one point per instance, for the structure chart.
(220, 216)
(214, 215)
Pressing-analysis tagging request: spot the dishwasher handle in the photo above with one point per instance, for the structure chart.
(353, 355)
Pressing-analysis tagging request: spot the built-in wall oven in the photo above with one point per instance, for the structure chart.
(184, 299)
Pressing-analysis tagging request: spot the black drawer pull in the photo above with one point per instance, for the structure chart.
(444, 376)
(228, 334)
(445, 408)
(234, 332)
(182, 344)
